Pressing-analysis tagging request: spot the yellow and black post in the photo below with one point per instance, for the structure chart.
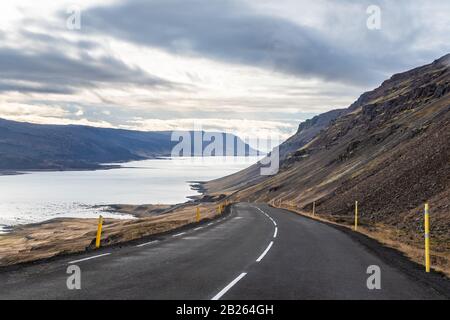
(99, 232)
(314, 208)
(427, 238)
(356, 215)
(197, 215)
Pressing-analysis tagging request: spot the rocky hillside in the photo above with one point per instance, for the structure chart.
(389, 150)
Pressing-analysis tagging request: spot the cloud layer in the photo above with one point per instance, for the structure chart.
(55, 72)
(164, 63)
(231, 32)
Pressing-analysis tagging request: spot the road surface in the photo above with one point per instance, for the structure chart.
(256, 252)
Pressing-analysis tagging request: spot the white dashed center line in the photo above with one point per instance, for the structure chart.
(89, 258)
(147, 243)
(232, 283)
(179, 234)
(229, 286)
(265, 252)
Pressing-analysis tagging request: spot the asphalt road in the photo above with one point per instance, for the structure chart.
(256, 252)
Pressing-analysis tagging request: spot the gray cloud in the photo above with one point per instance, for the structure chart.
(326, 40)
(50, 41)
(6, 86)
(230, 32)
(49, 70)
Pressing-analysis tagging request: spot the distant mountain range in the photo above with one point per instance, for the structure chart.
(27, 146)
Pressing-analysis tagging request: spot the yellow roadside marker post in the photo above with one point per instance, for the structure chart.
(427, 238)
(314, 208)
(197, 215)
(99, 232)
(356, 215)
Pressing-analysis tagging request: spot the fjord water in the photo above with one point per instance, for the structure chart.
(39, 196)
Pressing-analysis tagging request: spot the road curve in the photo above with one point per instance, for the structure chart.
(256, 252)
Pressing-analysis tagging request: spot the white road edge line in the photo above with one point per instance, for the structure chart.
(210, 224)
(198, 228)
(229, 286)
(276, 232)
(179, 234)
(144, 244)
(89, 258)
(271, 219)
(265, 252)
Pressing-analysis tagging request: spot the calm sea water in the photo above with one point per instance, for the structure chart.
(38, 196)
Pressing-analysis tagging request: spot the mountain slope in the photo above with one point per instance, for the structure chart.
(53, 147)
(389, 150)
(306, 132)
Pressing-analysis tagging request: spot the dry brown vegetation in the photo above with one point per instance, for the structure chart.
(63, 236)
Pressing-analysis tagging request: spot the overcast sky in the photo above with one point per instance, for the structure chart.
(239, 66)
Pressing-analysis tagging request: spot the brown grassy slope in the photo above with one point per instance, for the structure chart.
(63, 236)
(250, 176)
(390, 151)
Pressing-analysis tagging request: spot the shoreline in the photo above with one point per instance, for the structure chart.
(92, 167)
(106, 166)
(198, 187)
(119, 212)
(10, 173)
(15, 172)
